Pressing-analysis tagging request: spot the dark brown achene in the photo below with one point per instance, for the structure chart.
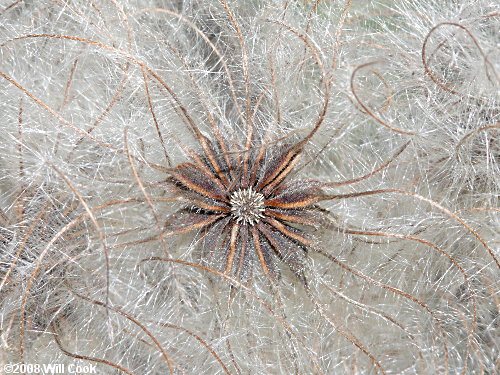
(244, 209)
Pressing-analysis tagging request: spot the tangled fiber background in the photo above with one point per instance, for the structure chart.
(96, 99)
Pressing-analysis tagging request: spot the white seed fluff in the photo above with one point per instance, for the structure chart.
(247, 206)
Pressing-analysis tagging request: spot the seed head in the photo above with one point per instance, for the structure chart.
(247, 206)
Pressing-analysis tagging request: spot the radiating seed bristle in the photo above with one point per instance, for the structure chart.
(247, 206)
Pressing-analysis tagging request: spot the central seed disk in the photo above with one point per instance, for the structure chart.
(247, 206)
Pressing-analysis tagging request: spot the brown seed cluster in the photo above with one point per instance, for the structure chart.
(247, 210)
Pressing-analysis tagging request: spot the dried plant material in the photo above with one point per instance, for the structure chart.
(247, 187)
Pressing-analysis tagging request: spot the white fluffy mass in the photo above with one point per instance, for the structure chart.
(98, 99)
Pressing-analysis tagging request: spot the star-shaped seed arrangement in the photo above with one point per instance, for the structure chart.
(246, 209)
